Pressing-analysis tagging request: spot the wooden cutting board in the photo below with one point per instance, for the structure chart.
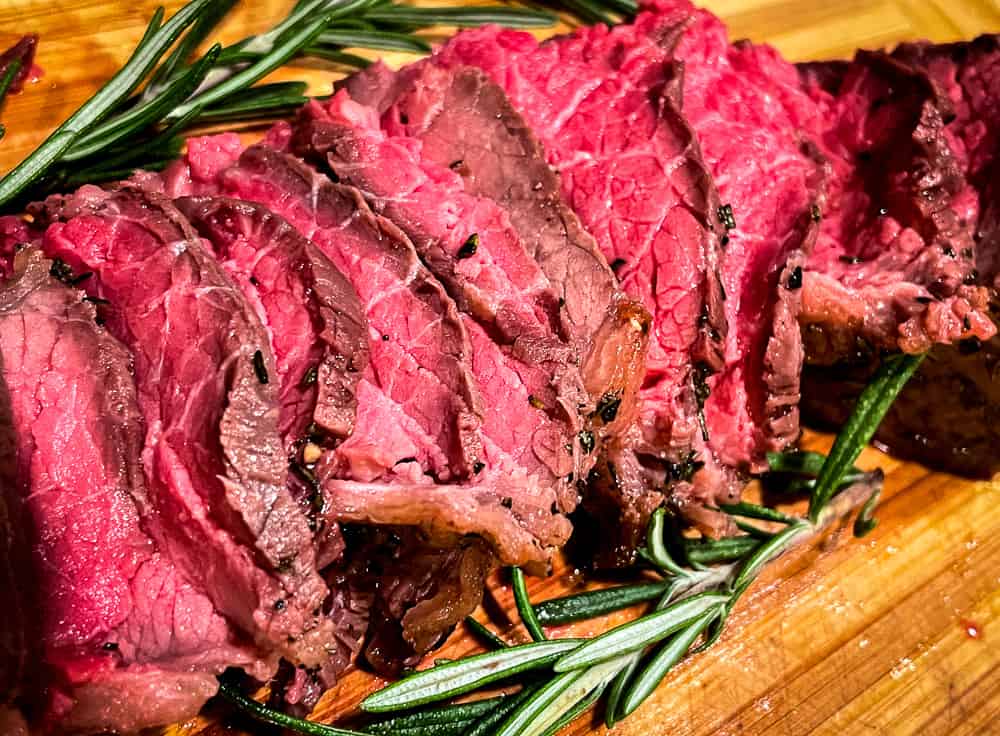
(896, 634)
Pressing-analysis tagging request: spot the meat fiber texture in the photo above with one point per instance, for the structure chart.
(955, 391)
(102, 630)
(217, 503)
(421, 390)
(745, 106)
(509, 308)
(317, 327)
(894, 262)
(464, 121)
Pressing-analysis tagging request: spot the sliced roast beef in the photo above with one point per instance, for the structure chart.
(605, 105)
(895, 258)
(744, 103)
(470, 245)
(318, 327)
(385, 448)
(948, 415)
(114, 635)
(217, 501)
(464, 121)
(417, 401)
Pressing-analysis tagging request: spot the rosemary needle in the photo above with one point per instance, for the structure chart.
(524, 607)
(465, 675)
(871, 406)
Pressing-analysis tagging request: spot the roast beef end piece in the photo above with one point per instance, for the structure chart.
(947, 416)
(217, 471)
(895, 261)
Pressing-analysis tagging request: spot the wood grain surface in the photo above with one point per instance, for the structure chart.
(896, 634)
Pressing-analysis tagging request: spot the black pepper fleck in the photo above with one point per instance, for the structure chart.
(61, 271)
(259, 368)
(795, 279)
(309, 377)
(477, 467)
(607, 407)
(469, 247)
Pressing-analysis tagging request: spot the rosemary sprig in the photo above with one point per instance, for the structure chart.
(261, 712)
(154, 43)
(694, 603)
(871, 406)
(8, 78)
(592, 604)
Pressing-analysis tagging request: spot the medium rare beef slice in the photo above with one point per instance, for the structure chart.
(744, 104)
(114, 636)
(217, 500)
(604, 104)
(895, 258)
(468, 242)
(464, 121)
(470, 245)
(318, 327)
(417, 399)
(318, 332)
